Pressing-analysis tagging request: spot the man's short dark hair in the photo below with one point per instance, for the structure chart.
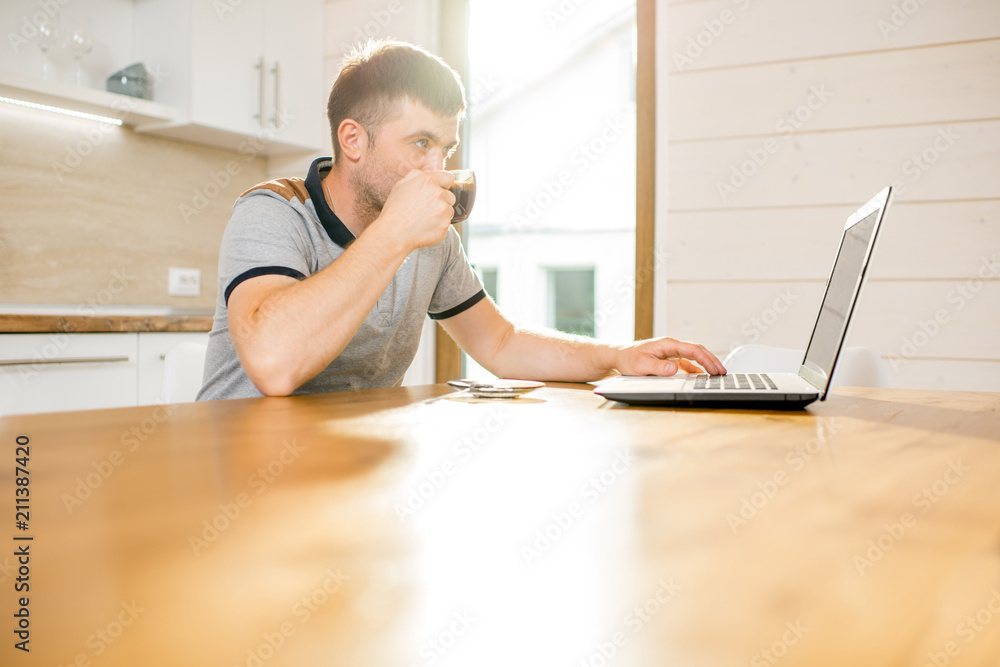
(379, 75)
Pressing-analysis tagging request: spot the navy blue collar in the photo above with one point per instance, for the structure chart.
(335, 228)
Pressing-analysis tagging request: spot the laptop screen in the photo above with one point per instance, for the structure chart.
(841, 294)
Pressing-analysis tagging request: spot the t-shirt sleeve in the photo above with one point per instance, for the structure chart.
(265, 236)
(458, 288)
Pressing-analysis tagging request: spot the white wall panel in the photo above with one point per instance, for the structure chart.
(947, 161)
(786, 30)
(931, 240)
(907, 87)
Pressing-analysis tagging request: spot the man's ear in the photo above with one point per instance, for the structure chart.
(353, 139)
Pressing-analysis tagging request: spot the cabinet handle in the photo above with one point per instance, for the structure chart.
(260, 102)
(277, 93)
(66, 360)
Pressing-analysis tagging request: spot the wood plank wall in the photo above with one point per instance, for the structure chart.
(786, 115)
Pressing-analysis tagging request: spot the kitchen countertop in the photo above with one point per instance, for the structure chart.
(136, 319)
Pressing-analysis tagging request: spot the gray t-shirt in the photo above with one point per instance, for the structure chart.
(286, 227)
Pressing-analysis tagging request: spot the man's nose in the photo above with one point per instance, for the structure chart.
(433, 163)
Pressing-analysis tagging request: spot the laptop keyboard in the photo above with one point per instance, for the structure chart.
(748, 381)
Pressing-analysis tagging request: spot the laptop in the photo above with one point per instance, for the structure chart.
(777, 390)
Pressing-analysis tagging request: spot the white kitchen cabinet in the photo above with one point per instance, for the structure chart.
(54, 372)
(48, 372)
(246, 75)
(153, 346)
(293, 43)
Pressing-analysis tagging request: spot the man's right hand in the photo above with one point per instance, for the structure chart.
(419, 208)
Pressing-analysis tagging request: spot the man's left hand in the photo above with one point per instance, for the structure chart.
(666, 356)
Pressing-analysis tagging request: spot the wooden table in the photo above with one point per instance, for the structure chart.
(374, 528)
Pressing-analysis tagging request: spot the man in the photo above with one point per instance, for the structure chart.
(324, 283)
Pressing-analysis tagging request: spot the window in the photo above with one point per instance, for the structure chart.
(489, 277)
(571, 300)
(551, 137)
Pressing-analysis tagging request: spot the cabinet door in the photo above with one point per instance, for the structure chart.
(225, 75)
(245, 76)
(152, 348)
(296, 94)
(56, 372)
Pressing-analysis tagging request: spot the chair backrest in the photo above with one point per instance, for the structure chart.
(183, 367)
(856, 367)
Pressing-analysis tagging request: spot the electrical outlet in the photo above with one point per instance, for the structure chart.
(183, 282)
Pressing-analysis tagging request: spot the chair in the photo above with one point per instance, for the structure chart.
(856, 367)
(183, 366)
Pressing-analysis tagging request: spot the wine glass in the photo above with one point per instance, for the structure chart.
(79, 42)
(48, 37)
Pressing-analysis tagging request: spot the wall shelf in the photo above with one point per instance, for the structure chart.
(132, 111)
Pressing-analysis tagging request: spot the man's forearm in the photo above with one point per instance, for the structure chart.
(526, 354)
(554, 356)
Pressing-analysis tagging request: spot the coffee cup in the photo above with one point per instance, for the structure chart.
(464, 190)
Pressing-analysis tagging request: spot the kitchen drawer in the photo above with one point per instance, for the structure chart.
(54, 372)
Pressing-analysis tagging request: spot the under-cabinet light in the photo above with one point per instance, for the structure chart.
(65, 112)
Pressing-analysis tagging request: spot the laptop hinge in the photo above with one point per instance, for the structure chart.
(816, 379)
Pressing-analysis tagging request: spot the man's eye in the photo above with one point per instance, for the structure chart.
(421, 143)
